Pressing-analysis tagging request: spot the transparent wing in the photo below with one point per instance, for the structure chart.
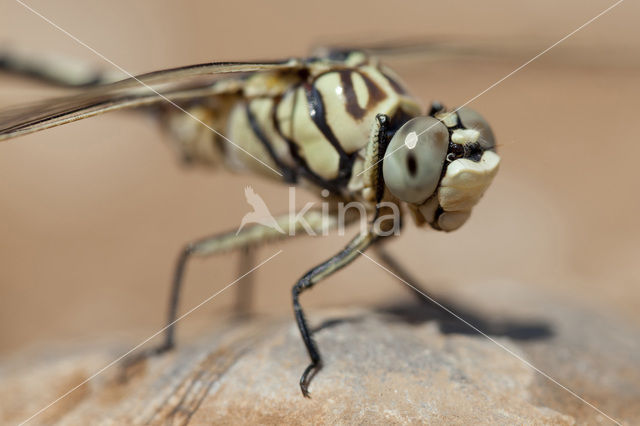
(159, 86)
(432, 48)
(410, 51)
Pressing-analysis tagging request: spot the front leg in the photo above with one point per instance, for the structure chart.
(375, 155)
(340, 260)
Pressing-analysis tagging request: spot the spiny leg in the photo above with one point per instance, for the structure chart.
(379, 141)
(245, 239)
(340, 260)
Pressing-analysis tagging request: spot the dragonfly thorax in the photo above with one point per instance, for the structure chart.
(317, 126)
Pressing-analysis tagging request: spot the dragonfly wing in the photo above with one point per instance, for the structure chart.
(518, 48)
(421, 48)
(160, 86)
(209, 69)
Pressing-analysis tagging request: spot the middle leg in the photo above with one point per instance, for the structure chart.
(246, 239)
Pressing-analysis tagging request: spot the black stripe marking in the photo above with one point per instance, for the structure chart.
(394, 83)
(318, 115)
(376, 94)
(288, 174)
(303, 168)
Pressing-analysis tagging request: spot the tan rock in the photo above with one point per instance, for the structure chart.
(376, 371)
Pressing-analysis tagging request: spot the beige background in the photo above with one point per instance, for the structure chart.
(92, 214)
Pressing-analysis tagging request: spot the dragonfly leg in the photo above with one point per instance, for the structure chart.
(244, 291)
(340, 260)
(403, 275)
(360, 243)
(246, 240)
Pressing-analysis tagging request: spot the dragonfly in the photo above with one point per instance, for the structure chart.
(339, 123)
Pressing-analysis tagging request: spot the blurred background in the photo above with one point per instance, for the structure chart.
(93, 214)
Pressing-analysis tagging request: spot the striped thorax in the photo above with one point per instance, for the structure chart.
(312, 125)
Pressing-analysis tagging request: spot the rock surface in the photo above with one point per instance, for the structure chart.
(403, 364)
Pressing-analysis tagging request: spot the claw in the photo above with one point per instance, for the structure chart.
(306, 377)
(305, 391)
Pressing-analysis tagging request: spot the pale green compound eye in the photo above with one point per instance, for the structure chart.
(414, 159)
(470, 119)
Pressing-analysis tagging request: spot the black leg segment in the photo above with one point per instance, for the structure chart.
(343, 258)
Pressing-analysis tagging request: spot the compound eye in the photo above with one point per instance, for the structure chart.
(414, 159)
(472, 120)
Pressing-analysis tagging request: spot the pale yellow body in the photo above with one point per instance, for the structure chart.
(278, 107)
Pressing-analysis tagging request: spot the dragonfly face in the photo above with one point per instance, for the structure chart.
(441, 166)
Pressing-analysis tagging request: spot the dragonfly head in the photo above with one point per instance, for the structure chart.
(441, 165)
